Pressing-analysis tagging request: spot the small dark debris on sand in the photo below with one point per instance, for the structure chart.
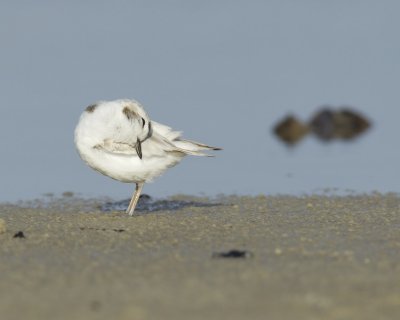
(19, 234)
(233, 254)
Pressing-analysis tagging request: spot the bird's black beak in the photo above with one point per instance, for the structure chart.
(138, 148)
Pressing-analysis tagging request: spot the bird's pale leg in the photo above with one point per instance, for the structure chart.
(135, 198)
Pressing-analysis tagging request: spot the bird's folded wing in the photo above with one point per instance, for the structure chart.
(112, 146)
(165, 131)
(177, 146)
(171, 141)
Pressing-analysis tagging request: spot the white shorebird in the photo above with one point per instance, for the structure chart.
(117, 139)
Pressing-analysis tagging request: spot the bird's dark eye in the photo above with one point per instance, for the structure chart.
(143, 122)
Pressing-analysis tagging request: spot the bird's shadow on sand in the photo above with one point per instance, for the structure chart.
(147, 204)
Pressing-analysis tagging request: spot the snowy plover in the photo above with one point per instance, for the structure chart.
(117, 139)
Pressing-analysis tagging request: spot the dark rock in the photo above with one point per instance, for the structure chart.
(290, 130)
(343, 124)
(322, 124)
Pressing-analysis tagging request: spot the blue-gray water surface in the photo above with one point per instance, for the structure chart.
(223, 72)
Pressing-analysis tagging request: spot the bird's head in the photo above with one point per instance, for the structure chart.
(135, 113)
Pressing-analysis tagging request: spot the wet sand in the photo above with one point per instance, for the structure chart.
(314, 257)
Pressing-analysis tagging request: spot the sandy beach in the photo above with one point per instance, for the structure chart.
(311, 257)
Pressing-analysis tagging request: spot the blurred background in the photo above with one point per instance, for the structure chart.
(223, 72)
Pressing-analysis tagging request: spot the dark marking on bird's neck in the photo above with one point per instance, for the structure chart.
(149, 133)
(129, 113)
(91, 108)
(150, 130)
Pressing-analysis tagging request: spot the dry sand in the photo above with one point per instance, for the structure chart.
(314, 257)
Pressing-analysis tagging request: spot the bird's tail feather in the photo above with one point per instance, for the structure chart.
(194, 148)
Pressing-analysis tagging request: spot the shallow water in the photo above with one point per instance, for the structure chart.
(222, 82)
